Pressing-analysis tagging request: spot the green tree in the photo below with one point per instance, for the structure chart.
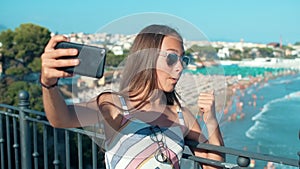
(203, 52)
(35, 65)
(235, 54)
(114, 60)
(21, 47)
(11, 89)
(266, 52)
(246, 53)
(20, 56)
(6, 39)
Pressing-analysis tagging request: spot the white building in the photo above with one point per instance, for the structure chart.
(223, 53)
(117, 50)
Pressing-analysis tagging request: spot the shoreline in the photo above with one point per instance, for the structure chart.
(243, 133)
(224, 94)
(243, 85)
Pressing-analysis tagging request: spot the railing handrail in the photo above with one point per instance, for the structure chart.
(243, 153)
(35, 112)
(40, 117)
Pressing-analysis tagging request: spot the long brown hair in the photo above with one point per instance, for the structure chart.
(139, 74)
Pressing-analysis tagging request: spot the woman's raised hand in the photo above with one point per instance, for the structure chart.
(206, 104)
(50, 61)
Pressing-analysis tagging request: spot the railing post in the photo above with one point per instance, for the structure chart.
(24, 130)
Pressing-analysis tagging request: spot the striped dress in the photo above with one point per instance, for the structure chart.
(139, 145)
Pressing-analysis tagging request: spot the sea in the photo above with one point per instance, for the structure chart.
(271, 122)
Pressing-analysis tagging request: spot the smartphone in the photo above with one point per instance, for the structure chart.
(92, 59)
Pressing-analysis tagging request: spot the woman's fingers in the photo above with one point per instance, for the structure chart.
(55, 58)
(53, 41)
(59, 53)
(206, 98)
(206, 103)
(53, 63)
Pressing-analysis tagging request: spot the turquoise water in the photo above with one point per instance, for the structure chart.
(272, 125)
(272, 114)
(233, 70)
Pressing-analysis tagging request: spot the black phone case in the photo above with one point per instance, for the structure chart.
(92, 59)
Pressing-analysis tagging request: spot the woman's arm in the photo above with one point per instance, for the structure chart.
(61, 115)
(58, 113)
(206, 104)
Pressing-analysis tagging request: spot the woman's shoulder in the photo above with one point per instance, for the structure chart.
(109, 102)
(109, 97)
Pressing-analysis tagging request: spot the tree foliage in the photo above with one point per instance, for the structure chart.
(21, 47)
(266, 52)
(20, 56)
(203, 52)
(114, 60)
(10, 91)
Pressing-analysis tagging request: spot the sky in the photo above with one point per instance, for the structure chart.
(258, 21)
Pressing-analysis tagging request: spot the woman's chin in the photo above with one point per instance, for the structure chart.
(169, 90)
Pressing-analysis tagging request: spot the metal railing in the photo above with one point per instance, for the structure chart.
(28, 141)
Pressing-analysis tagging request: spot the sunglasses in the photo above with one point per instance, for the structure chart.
(162, 153)
(172, 59)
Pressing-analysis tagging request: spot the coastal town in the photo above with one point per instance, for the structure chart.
(117, 43)
(243, 54)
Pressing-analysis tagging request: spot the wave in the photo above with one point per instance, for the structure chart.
(286, 81)
(259, 124)
(253, 130)
(293, 95)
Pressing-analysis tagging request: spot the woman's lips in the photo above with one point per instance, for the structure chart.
(174, 80)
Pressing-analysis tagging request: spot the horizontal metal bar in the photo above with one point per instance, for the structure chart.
(34, 112)
(209, 161)
(10, 107)
(9, 114)
(38, 121)
(259, 156)
(25, 110)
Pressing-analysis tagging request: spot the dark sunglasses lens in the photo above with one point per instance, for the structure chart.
(185, 61)
(161, 154)
(172, 59)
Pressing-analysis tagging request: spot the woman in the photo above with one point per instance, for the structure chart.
(145, 124)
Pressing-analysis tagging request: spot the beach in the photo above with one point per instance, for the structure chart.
(271, 119)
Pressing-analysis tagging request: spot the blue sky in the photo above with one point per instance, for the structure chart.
(261, 21)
